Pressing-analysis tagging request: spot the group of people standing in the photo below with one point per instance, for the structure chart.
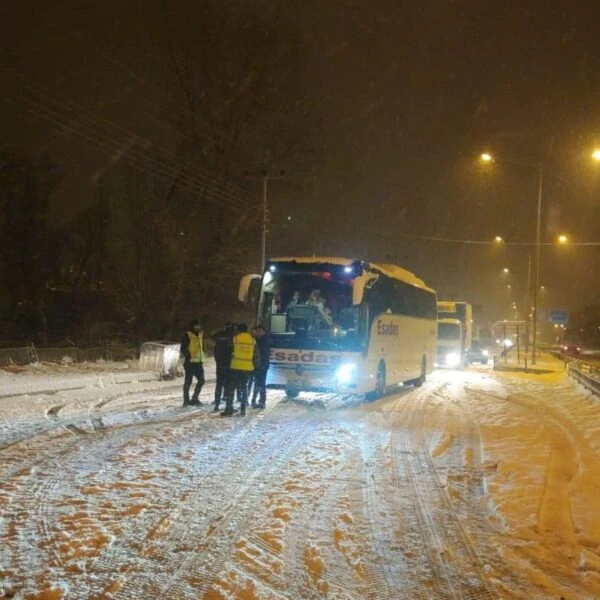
(241, 359)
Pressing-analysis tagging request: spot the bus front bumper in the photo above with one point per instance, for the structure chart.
(338, 381)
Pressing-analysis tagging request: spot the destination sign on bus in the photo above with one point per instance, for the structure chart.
(446, 307)
(308, 357)
(387, 328)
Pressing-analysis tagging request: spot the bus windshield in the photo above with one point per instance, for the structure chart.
(448, 331)
(312, 310)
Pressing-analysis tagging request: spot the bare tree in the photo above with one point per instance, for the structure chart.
(178, 236)
(30, 254)
(238, 78)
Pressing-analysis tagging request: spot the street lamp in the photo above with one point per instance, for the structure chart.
(486, 157)
(506, 270)
(596, 154)
(498, 239)
(563, 239)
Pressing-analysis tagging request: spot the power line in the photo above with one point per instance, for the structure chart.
(201, 178)
(488, 242)
(38, 88)
(199, 182)
(100, 48)
(130, 155)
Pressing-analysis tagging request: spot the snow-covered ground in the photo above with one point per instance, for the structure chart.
(479, 484)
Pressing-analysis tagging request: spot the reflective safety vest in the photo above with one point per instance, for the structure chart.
(195, 347)
(243, 352)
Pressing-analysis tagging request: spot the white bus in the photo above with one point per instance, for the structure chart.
(345, 326)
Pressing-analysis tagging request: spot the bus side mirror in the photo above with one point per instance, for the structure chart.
(362, 283)
(249, 289)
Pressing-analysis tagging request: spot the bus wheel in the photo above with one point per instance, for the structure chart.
(421, 380)
(380, 385)
(291, 394)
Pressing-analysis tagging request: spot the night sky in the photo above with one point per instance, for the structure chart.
(393, 102)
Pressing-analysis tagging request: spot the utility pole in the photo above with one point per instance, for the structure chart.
(265, 220)
(527, 305)
(265, 214)
(537, 264)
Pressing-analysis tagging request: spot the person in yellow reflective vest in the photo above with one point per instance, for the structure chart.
(244, 360)
(192, 351)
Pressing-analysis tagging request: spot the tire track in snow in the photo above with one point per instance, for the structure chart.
(566, 445)
(459, 571)
(462, 472)
(466, 490)
(202, 562)
(388, 509)
(172, 536)
(52, 414)
(376, 519)
(568, 448)
(37, 445)
(25, 456)
(36, 500)
(53, 419)
(313, 537)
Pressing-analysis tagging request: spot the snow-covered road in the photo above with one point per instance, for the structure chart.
(477, 485)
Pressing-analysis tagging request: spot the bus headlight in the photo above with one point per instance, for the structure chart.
(452, 359)
(345, 372)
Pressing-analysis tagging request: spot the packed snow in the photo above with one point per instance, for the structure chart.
(480, 484)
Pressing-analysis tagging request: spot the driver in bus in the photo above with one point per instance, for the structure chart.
(295, 300)
(317, 300)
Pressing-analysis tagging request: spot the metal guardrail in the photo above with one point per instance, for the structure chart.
(587, 374)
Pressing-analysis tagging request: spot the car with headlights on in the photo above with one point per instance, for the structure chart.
(477, 353)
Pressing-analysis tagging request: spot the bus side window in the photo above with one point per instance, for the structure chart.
(399, 297)
(364, 325)
(411, 306)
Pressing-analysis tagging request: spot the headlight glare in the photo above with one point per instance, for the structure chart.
(345, 372)
(452, 359)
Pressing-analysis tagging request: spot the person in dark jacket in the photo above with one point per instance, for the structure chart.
(193, 354)
(251, 380)
(260, 374)
(223, 352)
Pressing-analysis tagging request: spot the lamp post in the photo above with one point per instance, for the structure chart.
(537, 264)
(487, 157)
